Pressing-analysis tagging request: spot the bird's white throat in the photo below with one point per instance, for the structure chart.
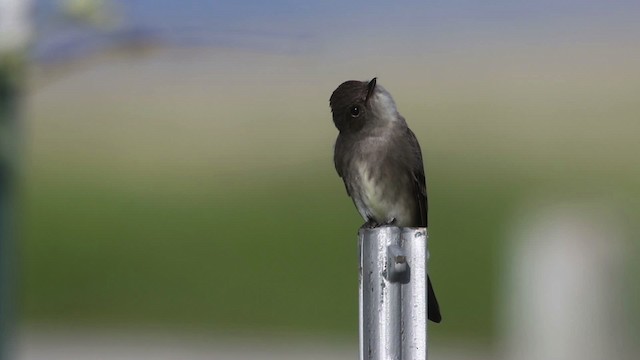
(383, 104)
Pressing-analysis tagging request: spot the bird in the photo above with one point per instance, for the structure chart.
(380, 161)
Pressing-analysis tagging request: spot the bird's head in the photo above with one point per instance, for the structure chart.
(358, 104)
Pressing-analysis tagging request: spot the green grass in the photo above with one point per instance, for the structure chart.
(279, 253)
(262, 256)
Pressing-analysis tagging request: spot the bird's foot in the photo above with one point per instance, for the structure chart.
(370, 224)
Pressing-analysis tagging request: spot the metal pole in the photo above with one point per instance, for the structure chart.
(393, 296)
(414, 295)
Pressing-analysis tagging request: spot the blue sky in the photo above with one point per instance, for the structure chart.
(267, 25)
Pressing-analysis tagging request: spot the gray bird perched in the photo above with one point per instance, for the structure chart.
(379, 159)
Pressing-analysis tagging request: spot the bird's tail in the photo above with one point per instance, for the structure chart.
(433, 309)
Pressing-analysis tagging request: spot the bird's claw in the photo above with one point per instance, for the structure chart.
(370, 224)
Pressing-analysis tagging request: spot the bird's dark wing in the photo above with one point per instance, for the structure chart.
(433, 309)
(338, 161)
(419, 181)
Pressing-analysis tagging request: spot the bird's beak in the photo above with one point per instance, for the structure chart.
(371, 87)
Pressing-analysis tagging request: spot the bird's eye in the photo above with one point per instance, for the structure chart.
(355, 111)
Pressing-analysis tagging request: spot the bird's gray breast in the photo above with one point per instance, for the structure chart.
(379, 186)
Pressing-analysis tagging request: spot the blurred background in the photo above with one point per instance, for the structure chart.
(176, 195)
